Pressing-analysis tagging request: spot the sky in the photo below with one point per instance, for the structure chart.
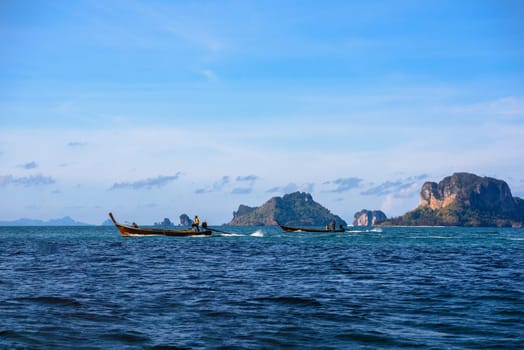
(152, 109)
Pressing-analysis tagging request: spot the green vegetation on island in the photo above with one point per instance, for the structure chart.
(464, 199)
(294, 209)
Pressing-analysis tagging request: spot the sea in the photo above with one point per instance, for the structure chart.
(261, 288)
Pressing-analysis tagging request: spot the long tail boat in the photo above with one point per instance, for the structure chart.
(310, 229)
(135, 231)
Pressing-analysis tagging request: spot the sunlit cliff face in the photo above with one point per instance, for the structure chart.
(470, 190)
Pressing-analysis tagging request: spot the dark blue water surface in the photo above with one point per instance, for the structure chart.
(87, 287)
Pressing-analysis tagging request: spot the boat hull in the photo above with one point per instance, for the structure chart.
(131, 231)
(304, 229)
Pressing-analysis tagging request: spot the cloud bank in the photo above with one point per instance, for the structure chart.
(345, 184)
(26, 181)
(147, 184)
(399, 188)
(28, 166)
(249, 180)
(217, 186)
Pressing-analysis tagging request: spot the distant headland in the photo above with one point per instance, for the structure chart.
(465, 199)
(65, 221)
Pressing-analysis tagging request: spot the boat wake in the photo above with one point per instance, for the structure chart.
(231, 235)
(375, 229)
(257, 233)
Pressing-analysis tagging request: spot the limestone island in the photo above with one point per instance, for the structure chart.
(464, 199)
(368, 217)
(294, 209)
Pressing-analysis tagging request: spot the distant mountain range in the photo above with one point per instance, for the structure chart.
(65, 221)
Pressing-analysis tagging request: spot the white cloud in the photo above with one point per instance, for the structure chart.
(132, 154)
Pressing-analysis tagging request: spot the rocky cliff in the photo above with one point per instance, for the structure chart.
(294, 209)
(185, 220)
(368, 217)
(165, 223)
(465, 199)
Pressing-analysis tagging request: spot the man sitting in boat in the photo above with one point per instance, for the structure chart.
(196, 223)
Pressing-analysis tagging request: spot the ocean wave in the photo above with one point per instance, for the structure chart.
(52, 300)
(340, 291)
(291, 300)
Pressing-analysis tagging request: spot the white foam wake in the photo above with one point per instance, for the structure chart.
(257, 233)
(376, 229)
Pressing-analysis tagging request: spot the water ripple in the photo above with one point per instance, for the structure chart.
(261, 288)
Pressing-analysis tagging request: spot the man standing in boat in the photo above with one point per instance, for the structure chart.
(196, 223)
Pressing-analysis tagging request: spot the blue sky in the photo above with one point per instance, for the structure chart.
(151, 109)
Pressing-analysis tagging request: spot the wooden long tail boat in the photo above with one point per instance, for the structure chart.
(310, 229)
(134, 230)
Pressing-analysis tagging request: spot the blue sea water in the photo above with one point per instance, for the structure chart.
(392, 287)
